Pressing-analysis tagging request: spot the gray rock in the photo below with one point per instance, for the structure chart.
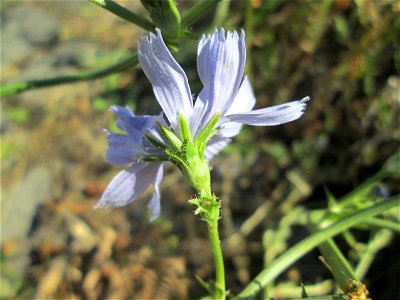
(18, 209)
(25, 27)
(19, 204)
(32, 24)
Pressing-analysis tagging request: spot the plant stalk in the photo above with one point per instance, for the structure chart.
(18, 87)
(212, 226)
(125, 14)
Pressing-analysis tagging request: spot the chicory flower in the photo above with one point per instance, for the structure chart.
(197, 129)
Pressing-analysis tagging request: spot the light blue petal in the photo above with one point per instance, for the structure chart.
(135, 126)
(128, 184)
(270, 116)
(149, 150)
(121, 149)
(154, 204)
(216, 144)
(169, 81)
(220, 62)
(244, 102)
(230, 129)
(124, 115)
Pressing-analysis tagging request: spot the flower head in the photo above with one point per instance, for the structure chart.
(188, 134)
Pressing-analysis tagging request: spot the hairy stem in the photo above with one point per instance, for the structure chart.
(212, 226)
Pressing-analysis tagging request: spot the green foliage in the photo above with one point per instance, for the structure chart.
(294, 253)
(17, 114)
(100, 104)
(10, 282)
(165, 15)
(382, 230)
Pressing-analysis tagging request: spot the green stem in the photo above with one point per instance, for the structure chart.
(15, 88)
(300, 249)
(212, 226)
(339, 265)
(197, 10)
(380, 240)
(381, 223)
(124, 13)
(362, 190)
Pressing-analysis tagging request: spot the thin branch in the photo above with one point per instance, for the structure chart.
(15, 88)
(124, 13)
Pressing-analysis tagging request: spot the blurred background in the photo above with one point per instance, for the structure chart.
(342, 53)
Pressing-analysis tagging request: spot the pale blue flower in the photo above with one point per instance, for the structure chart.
(220, 62)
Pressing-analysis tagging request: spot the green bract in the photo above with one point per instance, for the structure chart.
(187, 153)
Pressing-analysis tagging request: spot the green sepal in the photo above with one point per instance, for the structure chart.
(188, 156)
(153, 158)
(184, 128)
(165, 16)
(207, 133)
(172, 154)
(191, 151)
(177, 159)
(156, 142)
(170, 136)
(203, 146)
(197, 173)
(199, 210)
